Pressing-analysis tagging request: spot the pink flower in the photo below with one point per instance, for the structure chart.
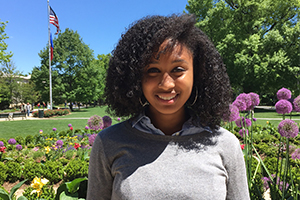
(246, 98)
(284, 93)
(288, 128)
(240, 104)
(242, 132)
(234, 113)
(242, 146)
(297, 103)
(283, 106)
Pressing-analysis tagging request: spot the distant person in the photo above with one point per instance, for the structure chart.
(39, 105)
(65, 104)
(28, 108)
(44, 105)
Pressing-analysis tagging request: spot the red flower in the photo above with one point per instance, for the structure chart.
(242, 146)
(2, 149)
(71, 128)
(76, 146)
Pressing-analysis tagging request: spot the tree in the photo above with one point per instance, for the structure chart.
(258, 40)
(102, 65)
(9, 85)
(75, 77)
(4, 56)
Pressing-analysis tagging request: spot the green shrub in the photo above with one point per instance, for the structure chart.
(37, 154)
(29, 139)
(53, 171)
(20, 159)
(62, 134)
(32, 169)
(20, 140)
(69, 154)
(76, 169)
(30, 146)
(47, 193)
(63, 161)
(4, 141)
(14, 171)
(3, 172)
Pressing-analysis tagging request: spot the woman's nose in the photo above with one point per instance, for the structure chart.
(167, 82)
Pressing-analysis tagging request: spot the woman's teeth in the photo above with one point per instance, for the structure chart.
(166, 98)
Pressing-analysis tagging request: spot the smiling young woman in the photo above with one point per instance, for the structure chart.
(169, 80)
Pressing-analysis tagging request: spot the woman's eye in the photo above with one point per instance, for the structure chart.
(153, 70)
(178, 69)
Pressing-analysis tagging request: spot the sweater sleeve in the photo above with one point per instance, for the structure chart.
(100, 179)
(237, 186)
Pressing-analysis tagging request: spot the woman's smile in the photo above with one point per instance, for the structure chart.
(168, 81)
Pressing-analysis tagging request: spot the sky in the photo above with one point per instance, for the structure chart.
(99, 23)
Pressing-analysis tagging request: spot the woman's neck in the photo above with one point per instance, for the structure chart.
(168, 123)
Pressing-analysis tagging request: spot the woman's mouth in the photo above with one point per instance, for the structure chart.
(166, 98)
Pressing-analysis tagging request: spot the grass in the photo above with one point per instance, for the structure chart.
(78, 119)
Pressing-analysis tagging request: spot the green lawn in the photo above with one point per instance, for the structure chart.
(78, 119)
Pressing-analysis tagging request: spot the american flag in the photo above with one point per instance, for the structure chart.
(54, 19)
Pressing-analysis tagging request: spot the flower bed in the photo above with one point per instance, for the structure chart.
(48, 159)
(52, 113)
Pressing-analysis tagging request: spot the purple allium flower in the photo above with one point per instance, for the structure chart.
(54, 129)
(119, 119)
(254, 119)
(1, 144)
(19, 147)
(240, 104)
(106, 121)
(288, 128)
(69, 125)
(284, 93)
(12, 141)
(254, 100)
(59, 143)
(296, 154)
(87, 128)
(297, 104)
(234, 113)
(243, 131)
(238, 122)
(92, 139)
(246, 98)
(283, 106)
(265, 182)
(95, 122)
(246, 122)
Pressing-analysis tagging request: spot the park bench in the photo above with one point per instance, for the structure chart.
(4, 115)
(23, 115)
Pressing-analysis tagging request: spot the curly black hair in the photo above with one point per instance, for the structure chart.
(134, 51)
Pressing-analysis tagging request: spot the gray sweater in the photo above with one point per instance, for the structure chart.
(126, 163)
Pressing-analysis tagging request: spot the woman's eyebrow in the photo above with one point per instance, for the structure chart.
(179, 60)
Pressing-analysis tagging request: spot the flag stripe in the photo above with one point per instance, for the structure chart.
(53, 19)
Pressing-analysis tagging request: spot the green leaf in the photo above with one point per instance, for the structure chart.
(64, 196)
(22, 198)
(4, 195)
(15, 188)
(73, 186)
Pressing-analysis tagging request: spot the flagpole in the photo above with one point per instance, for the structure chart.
(50, 76)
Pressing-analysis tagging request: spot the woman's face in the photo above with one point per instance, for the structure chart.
(168, 81)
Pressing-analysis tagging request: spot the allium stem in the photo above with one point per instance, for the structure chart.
(286, 167)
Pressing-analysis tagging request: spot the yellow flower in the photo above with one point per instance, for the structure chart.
(41, 132)
(55, 139)
(47, 149)
(70, 143)
(37, 184)
(267, 122)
